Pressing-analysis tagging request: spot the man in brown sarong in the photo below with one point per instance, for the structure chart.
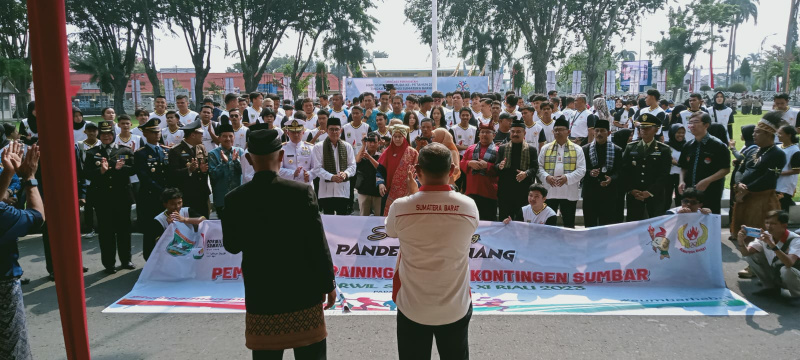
(279, 261)
(755, 193)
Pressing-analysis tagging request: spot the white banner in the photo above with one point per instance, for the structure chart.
(661, 81)
(696, 77)
(576, 81)
(287, 88)
(670, 265)
(414, 85)
(228, 85)
(136, 90)
(551, 80)
(633, 88)
(312, 87)
(497, 81)
(192, 95)
(610, 83)
(169, 90)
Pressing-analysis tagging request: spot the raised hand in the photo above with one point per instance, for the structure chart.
(103, 165)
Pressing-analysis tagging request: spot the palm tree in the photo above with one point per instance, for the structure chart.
(745, 9)
(625, 55)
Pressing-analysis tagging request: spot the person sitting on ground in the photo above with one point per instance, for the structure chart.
(537, 211)
(691, 202)
(174, 211)
(773, 257)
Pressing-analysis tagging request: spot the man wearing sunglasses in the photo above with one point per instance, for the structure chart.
(692, 202)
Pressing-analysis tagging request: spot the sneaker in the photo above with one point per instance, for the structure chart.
(768, 292)
(90, 234)
(746, 273)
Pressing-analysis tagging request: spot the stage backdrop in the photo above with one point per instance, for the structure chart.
(670, 265)
(416, 85)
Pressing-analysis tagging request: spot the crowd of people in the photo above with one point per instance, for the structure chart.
(518, 159)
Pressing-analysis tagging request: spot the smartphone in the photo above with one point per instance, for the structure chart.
(752, 232)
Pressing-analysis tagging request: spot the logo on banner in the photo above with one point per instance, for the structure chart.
(462, 86)
(659, 242)
(377, 234)
(692, 238)
(476, 238)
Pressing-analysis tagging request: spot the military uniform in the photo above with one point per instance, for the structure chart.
(150, 162)
(113, 198)
(194, 185)
(297, 155)
(747, 105)
(645, 167)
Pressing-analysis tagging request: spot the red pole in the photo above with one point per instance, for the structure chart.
(48, 42)
(711, 68)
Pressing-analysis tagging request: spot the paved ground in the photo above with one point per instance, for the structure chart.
(205, 336)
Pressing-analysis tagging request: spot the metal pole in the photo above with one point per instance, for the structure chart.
(434, 41)
(48, 42)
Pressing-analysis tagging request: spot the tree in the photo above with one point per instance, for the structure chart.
(517, 76)
(259, 26)
(109, 35)
(236, 68)
(579, 61)
(278, 62)
(153, 12)
(743, 11)
(321, 79)
(737, 88)
(379, 54)
(214, 88)
(688, 33)
(199, 21)
(705, 88)
(744, 70)
(602, 21)
(15, 58)
(484, 27)
(625, 55)
(341, 27)
(791, 39)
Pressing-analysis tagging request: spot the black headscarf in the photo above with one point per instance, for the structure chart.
(720, 132)
(620, 137)
(3, 139)
(676, 113)
(675, 144)
(77, 126)
(32, 118)
(747, 134)
(719, 106)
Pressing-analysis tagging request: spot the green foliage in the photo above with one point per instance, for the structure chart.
(380, 54)
(579, 61)
(214, 88)
(737, 88)
(705, 88)
(518, 72)
(745, 69)
(278, 62)
(321, 79)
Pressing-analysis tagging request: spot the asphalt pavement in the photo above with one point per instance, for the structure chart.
(496, 337)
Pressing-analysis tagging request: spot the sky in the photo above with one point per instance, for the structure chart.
(400, 39)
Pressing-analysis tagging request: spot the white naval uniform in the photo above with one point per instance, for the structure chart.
(295, 155)
(354, 135)
(530, 216)
(327, 188)
(170, 138)
(188, 118)
(464, 137)
(240, 137)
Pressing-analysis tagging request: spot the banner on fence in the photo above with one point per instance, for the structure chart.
(670, 265)
(551, 80)
(416, 85)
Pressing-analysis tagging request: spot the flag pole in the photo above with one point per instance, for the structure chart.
(434, 42)
(48, 42)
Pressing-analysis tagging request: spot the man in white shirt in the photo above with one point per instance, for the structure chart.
(240, 132)
(431, 282)
(355, 131)
(695, 100)
(464, 134)
(773, 256)
(172, 135)
(581, 122)
(485, 116)
(298, 162)
(160, 111)
(320, 133)
(534, 131)
(651, 100)
(337, 111)
(562, 165)
(453, 117)
(511, 107)
(334, 164)
(185, 115)
(253, 112)
(210, 138)
(781, 103)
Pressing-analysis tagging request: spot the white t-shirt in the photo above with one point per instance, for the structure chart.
(79, 135)
(514, 113)
(787, 183)
(483, 120)
(341, 115)
(163, 117)
(532, 217)
(578, 123)
(790, 117)
(311, 124)
(720, 116)
(240, 137)
(533, 133)
(548, 130)
(252, 115)
(133, 142)
(207, 142)
(310, 135)
(464, 137)
(354, 135)
(685, 114)
(675, 169)
(431, 284)
(171, 138)
(794, 247)
(188, 118)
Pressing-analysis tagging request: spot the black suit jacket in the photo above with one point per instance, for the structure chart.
(591, 185)
(151, 169)
(191, 185)
(292, 257)
(113, 185)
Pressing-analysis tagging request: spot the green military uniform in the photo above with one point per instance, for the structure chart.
(645, 167)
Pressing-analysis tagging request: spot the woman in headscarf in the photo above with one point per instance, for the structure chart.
(621, 138)
(600, 109)
(677, 138)
(394, 165)
(443, 137)
(721, 114)
(28, 128)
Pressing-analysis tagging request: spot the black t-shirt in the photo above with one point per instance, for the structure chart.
(714, 155)
(762, 169)
(501, 138)
(365, 176)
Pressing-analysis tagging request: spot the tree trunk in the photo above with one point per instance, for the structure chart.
(120, 84)
(152, 76)
(790, 40)
(728, 59)
(539, 67)
(591, 78)
(251, 78)
(21, 99)
(200, 79)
